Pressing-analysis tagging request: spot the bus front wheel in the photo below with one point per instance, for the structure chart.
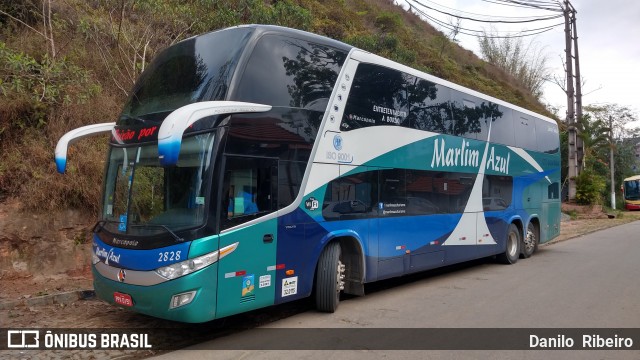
(512, 252)
(329, 278)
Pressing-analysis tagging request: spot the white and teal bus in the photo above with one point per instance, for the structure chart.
(258, 165)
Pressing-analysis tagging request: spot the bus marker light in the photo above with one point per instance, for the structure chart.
(279, 266)
(289, 272)
(408, 252)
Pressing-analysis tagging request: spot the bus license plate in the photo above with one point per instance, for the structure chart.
(122, 299)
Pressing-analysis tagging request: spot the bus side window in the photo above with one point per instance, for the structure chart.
(553, 191)
(393, 192)
(377, 97)
(525, 131)
(502, 125)
(497, 192)
(547, 134)
(249, 189)
(352, 196)
(468, 115)
(290, 175)
(430, 107)
(421, 197)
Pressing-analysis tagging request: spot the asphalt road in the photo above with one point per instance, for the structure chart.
(591, 281)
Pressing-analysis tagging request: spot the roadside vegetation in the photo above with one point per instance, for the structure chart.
(604, 128)
(68, 63)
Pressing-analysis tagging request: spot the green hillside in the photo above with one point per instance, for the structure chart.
(65, 64)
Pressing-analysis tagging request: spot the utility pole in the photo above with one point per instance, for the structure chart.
(578, 79)
(613, 188)
(571, 120)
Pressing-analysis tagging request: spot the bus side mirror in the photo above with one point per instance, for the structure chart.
(174, 125)
(77, 134)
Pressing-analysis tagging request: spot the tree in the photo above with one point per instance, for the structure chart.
(526, 62)
(604, 128)
(622, 117)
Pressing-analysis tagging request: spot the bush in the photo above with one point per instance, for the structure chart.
(589, 188)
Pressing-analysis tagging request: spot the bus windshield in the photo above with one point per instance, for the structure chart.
(144, 198)
(197, 69)
(632, 190)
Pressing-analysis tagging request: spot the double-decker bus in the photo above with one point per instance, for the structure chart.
(631, 192)
(258, 165)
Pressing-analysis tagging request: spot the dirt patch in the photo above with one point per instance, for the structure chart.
(588, 222)
(42, 252)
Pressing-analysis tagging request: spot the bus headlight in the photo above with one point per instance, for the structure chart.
(188, 266)
(183, 268)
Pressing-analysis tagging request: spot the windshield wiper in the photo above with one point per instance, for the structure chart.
(176, 237)
(101, 223)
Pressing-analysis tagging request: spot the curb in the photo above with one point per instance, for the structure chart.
(60, 298)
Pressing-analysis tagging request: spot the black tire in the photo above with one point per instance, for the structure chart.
(329, 279)
(512, 251)
(530, 241)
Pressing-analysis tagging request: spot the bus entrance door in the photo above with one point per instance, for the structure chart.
(246, 276)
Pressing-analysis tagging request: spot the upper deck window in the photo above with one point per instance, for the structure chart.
(284, 71)
(197, 69)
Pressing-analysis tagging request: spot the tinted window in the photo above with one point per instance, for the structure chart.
(525, 131)
(284, 71)
(421, 196)
(188, 72)
(378, 96)
(430, 107)
(497, 192)
(553, 191)
(548, 137)
(458, 186)
(284, 133)
(351, 197)
(249, 189)
(502, 126)
(290, 175)
(393, 192)
(467, 114)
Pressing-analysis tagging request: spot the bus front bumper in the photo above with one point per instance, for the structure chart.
(632, 206)
(155, 300)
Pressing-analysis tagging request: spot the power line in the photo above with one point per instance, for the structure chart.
(486, 21)
(485, 15)
(453, 28)
(528, 4)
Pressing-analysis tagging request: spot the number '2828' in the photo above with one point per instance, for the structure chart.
(169, 256)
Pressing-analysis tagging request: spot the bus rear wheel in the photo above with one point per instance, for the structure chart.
(512, 252)
(329, 278)
(530, 241)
